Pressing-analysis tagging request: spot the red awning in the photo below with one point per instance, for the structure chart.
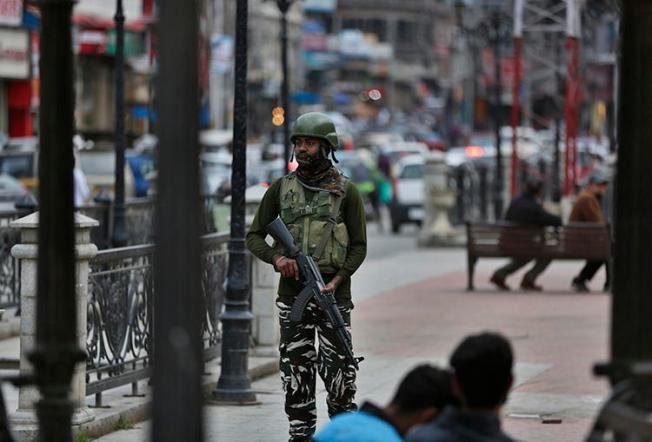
(99, 23)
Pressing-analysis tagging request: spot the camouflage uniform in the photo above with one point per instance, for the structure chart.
(300, 360)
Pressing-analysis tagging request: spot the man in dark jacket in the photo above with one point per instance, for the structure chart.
(526, 209)
(483, 377)
(587, 209)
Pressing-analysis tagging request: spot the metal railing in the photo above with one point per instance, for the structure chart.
(9, 266)
(119, 326)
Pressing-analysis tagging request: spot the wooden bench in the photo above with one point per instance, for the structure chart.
(585, 241)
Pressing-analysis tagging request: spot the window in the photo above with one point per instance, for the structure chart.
(406, 32)
(412, 172)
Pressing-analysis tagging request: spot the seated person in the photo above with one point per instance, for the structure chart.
(421, 395)
(526, 209)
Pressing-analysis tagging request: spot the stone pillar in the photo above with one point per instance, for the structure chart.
(26, 251)
(265, 328)
(436, 229)
(263, 293)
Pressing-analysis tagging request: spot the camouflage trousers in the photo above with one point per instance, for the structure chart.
(300, 362)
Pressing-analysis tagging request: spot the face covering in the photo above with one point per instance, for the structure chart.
(317, 172)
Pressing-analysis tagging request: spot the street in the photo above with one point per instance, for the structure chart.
(412, 307)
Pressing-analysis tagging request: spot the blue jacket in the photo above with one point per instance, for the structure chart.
(369, 424)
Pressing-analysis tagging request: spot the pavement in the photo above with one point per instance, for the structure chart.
(412, 307)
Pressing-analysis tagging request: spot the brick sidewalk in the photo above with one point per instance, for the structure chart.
(557, 336)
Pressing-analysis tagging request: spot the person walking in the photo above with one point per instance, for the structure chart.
(324, 212)
(526, 209)
(587, 209)
(422, 394)
(483, 365)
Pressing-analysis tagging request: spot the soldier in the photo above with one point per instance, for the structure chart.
(325, 214)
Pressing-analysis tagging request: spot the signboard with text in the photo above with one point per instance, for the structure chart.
(14, 53)
(11, 12)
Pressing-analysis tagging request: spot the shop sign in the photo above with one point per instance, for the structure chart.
(14, 53)
(11, 12)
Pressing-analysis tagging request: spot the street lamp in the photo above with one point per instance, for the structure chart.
(284, 7)
(119, 236)
(491, 28)
(234, 385)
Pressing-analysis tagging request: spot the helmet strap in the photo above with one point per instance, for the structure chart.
(333, 156)
(324, 150)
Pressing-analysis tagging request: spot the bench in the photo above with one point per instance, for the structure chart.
(586, 241)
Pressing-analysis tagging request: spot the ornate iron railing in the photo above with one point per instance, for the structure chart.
(120, 303)
(9, 266)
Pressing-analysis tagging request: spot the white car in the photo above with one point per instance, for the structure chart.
(407, 206)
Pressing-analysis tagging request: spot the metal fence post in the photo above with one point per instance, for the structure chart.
(178, 356)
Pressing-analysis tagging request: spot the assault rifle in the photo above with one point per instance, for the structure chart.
(313, 283)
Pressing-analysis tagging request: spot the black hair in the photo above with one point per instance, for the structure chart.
(423, 387)
(533, 186)
(483, 369)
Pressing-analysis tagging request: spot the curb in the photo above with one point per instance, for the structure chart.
(140, 412)
(10, 327)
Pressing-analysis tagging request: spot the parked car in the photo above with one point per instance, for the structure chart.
(215, 170)
(99, 168)
(19, 158)
(10, 188)
(407, 206)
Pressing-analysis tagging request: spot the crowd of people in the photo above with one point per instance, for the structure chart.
(431, 404)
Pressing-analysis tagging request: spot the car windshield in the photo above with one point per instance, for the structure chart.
(412, 172)
(19, 166)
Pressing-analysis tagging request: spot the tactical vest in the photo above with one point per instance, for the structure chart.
(307, 223)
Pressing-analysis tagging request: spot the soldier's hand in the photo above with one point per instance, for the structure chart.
(332, 285)
(287, 267)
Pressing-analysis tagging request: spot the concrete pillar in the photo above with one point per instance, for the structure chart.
(436, 229)
(27, 251)
(265, 327)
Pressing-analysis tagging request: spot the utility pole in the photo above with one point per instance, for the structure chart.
(119, 236)
(234, 385)
(516, 89)
(178, 354)
(495, 29)
(56, 351)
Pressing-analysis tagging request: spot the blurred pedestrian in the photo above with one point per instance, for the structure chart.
(526, 209)
(587, 209)
(324, 212)
(422, 394)
(81, 189)
(482, 378)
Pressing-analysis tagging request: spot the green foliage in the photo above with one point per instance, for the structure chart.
(123, 424)
(82, 436)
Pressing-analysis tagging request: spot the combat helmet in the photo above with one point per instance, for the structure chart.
(316, 125)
